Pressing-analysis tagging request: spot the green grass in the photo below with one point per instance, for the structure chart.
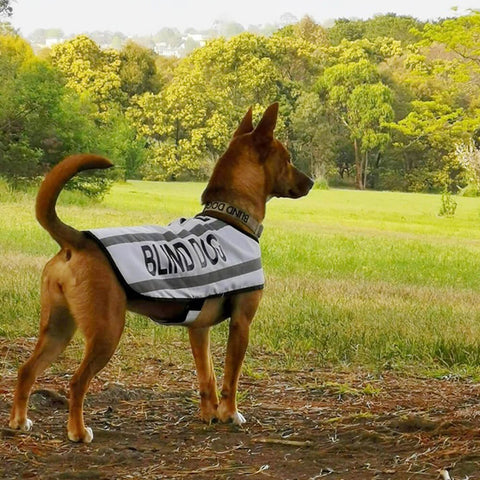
(355, 278)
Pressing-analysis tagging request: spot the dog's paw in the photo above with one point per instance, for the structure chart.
(25, 425)
(208, 412)
(227, 416)
(238, 419)
(87, 437)
(209, 418)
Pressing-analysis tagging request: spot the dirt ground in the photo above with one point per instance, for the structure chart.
(307, 424)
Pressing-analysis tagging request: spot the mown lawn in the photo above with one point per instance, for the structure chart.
(353, 278)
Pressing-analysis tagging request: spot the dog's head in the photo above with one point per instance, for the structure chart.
(256, 167)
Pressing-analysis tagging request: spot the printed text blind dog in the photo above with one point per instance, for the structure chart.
(189, 259)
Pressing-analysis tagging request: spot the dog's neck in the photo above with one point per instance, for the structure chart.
(234, 215)
(240, 187)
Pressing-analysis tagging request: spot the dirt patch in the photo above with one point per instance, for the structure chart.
(306, 424)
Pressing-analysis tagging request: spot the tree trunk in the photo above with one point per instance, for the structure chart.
(358, 167)
(365, 170)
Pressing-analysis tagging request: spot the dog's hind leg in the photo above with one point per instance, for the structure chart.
(102, 322)
(200, 343)
(244, 306)
(56, 330)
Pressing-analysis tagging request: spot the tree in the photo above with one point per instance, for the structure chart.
(98, 77)
(313, 138)
(40, 120)
(359, 101)
(90, 71)
(346, 29)
(189, 123)
(125, 146)
(427, 136)
(6, 29)
(399, 27)
(369, 112)
(165, 68)
(459, 35)
(6, 8)
(15, 50)
(310, 31)
(437, 87)
(170, 36)
(296, 52)
(18, 155)
(138, 72)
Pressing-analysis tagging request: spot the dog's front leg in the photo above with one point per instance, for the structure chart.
(200, 343)
(244, 307)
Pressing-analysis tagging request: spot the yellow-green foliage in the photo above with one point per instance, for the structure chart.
(89, 70)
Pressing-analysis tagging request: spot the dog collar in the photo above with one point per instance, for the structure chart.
(240, 215)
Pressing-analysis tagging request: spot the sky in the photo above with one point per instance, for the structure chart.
(144, 17)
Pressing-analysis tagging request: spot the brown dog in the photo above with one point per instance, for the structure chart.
(81, 290)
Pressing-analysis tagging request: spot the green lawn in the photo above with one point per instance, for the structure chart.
(362, 278)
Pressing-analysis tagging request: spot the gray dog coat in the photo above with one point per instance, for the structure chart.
(188, 261)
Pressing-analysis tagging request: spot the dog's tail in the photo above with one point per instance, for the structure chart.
(51, 187)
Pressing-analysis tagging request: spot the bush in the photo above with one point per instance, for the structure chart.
(92, 184)
(391, 180)
(321, 183)
(449, 205)
(19, 163)
(471, 190)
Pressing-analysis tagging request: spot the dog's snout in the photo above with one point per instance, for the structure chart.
(303, 184)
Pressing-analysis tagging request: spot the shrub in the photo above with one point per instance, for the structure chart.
(92, 184)
(449, 205)
(321, 183)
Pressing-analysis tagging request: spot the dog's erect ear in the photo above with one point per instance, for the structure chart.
(266, 126)
(246, 125)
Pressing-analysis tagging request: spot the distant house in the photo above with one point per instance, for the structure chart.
(162, 48)
(48, 42)
(196, 37)
(188, 42)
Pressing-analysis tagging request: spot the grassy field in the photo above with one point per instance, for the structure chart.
(353, 278)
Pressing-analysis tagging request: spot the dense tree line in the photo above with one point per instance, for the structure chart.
(384, 103)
